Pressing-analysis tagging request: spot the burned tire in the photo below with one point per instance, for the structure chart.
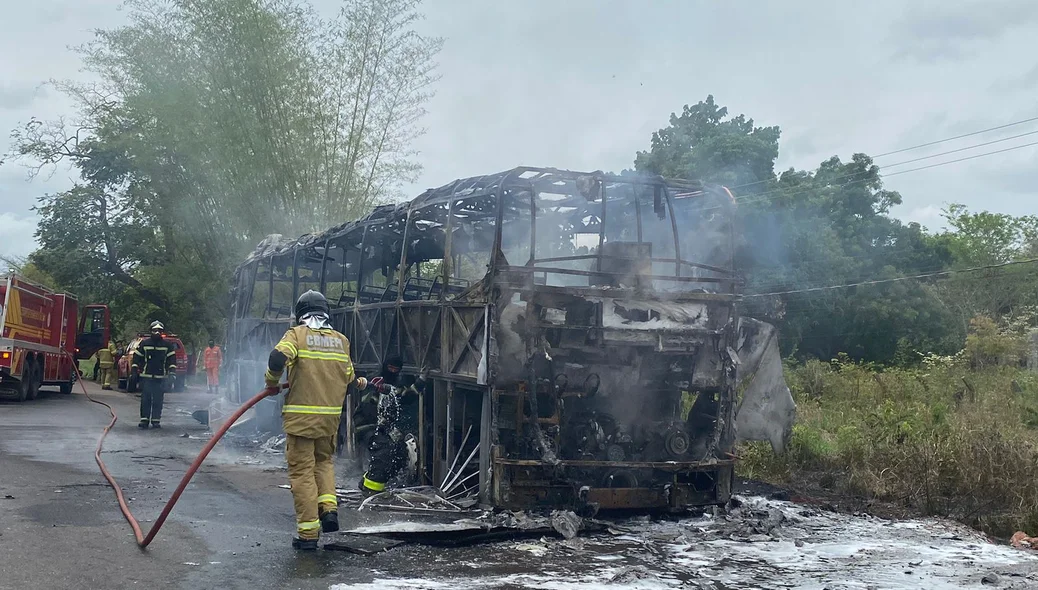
(677, 443)
(131, 384)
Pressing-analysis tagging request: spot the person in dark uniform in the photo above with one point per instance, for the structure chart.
(154, 361)
(394, 410)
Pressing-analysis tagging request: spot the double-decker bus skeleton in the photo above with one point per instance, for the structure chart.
(579, 334)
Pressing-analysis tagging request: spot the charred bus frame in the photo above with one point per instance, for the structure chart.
(577, 330)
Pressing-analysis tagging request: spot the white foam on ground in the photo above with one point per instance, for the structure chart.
(809, 549)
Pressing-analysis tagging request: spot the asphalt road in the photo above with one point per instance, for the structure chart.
(60, 526)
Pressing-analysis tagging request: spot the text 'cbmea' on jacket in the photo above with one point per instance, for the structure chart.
(319, 373)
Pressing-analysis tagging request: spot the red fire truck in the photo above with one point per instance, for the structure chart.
(39, 341)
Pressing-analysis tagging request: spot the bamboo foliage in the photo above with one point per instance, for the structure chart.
(253, 117)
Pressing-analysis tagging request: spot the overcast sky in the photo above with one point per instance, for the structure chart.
(583, 84)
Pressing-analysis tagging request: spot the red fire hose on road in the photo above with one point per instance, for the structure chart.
(144, 541)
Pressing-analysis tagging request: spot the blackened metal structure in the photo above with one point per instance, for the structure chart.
(580, 325)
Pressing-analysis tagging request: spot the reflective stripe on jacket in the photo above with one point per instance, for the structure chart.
(319, 372)
(106, 356)
(155, 358)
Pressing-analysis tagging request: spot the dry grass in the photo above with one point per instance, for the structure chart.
(944, 440)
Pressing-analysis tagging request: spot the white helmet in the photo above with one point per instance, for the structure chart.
(157, 326)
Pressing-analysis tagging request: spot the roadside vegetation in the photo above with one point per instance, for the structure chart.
(953, 436)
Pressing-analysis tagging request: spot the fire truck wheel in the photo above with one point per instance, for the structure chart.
(34, 382)
(23, 388)
(66, 387)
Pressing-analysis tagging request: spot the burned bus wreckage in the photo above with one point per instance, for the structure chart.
(578, 334)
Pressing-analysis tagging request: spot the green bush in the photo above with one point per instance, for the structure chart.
(943, 438)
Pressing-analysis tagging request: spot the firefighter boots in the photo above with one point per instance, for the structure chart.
(304, 544)
(330, 522)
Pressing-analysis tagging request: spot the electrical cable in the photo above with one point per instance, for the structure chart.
(784, 192)
(971, 134)
(973, 157)
(897, 279)
(907, 149)
(142, 540)
(962, 149)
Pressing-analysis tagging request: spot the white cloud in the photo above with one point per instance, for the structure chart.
(928, 216)
(16, 234)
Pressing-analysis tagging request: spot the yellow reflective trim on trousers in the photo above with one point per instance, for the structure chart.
(373, 485)
(327, 499)
(308, 525)
(325, 410)
(324, 356)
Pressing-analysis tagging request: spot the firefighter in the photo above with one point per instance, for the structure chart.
(365, 417)
(387, 449)
(154, 361)
(213, 359)
(106, 360)
(319, 373)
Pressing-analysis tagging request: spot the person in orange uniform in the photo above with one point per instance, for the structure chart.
(319, 374)
(213, 360)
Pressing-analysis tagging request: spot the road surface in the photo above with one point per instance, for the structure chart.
(60, 527)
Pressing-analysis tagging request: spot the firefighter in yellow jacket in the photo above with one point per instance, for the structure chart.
(106, 360)
(319, 373)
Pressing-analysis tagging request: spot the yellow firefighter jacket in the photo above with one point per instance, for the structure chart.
(106, 356)
(319, 371)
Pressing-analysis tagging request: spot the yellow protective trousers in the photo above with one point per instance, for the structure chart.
(311, 471)
(106, 375)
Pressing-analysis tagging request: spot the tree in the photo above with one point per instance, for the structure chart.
(27, 269)
(802, 229)
(983, 239)
(217, 123)
(704, 143)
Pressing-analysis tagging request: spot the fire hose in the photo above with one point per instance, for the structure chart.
(142, 540)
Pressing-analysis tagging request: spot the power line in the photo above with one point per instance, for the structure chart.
(778, 192)
(898, 279)
(922, 145)
(971, 134)
(962, 149)
(973, 157)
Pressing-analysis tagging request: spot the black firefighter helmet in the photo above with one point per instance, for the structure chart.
(391, 369)
(310, 302)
